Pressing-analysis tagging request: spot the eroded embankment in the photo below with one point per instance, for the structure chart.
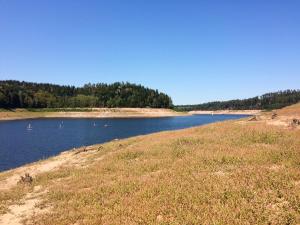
(90, 113)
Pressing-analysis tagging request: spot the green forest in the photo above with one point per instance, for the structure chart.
(21, 94)
(269, 101)
(16, 94)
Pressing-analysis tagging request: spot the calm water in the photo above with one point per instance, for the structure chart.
(48, 137)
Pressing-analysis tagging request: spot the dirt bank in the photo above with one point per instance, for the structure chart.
(226, 112)
(90, 113)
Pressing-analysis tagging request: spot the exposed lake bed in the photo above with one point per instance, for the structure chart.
(19, 114)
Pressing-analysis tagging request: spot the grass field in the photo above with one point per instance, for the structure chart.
(234, 172)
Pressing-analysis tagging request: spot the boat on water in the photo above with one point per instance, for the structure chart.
(29, 127)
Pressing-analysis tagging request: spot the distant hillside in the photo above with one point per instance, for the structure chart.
(274, 100)
(16, 94)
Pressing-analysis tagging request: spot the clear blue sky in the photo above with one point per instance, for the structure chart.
(196, 51)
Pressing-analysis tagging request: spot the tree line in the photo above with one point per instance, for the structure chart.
(17, 94)
(269, 101)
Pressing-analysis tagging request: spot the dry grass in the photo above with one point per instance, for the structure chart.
(292, 110)
(223, 173)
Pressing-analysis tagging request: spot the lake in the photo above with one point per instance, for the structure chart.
(48, 137)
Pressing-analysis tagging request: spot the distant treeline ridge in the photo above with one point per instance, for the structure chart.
(16, 94)
(274, 100)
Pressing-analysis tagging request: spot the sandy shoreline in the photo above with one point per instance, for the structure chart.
(19, 114)
(93, 113)
(226, 112)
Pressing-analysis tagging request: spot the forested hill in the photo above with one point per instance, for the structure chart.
(16, 94)
(274, 100)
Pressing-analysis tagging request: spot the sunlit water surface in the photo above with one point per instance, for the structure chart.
(47, 137)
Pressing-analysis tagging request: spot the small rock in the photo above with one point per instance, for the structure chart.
(274, 115)
(27, 179)
(254, 118)
(82, 149)
(295, 122)
(159, 218)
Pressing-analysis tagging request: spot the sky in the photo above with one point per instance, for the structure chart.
(195, 51)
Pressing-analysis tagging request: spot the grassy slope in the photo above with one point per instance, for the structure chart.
(233, 172)
(293, 110)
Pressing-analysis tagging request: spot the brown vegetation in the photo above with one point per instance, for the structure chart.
(234, 172)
